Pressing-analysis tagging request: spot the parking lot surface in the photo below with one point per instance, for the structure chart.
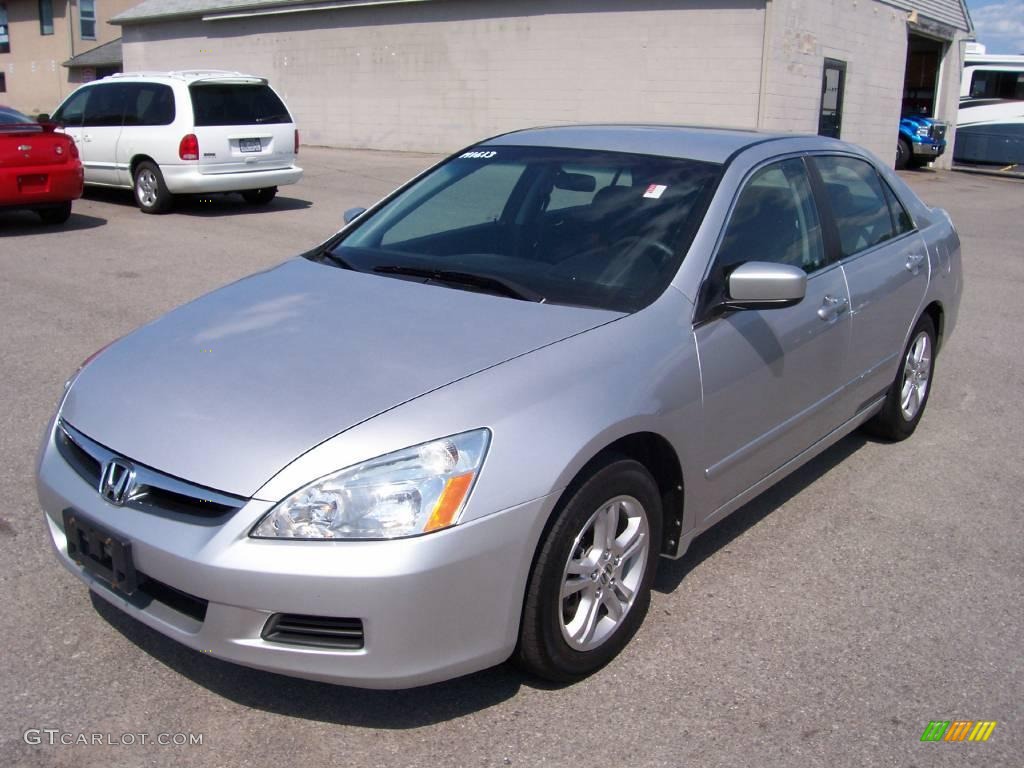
(826, 623)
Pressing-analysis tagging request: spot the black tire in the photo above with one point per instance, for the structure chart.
(543, 649)
(56, 215)
(151, 193)
(259, 196)
(892, 422)
(904, 155)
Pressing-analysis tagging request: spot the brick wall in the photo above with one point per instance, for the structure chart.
(436, 76)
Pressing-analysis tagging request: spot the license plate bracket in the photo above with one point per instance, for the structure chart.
(250, 145)
(100, 552)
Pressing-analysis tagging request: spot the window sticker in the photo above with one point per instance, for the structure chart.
(477, 155)
(655, 191)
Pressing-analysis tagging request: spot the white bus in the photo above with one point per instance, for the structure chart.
(990, 123)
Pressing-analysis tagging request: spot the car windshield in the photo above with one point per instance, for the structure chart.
(564, 226)
(13, 117)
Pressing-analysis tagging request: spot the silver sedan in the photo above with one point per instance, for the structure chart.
(466, 426)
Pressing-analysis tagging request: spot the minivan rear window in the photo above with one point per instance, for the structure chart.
(236, 104)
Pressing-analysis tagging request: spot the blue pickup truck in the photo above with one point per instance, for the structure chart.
(921, 140)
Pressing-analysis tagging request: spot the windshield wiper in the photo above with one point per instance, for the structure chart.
(486, 282)
(325, 254)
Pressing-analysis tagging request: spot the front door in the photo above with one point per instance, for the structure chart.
(771, 378)
(101, 128)
(833, 86)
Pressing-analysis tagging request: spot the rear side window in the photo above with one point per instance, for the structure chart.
(900, 217)
(236, 104)
(149, 104)
(858, 203)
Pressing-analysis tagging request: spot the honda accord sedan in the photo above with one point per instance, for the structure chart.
(466, 427)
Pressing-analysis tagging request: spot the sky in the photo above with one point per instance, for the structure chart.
(999, 24)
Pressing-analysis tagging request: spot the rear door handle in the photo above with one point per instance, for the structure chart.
(832, 307)
(914, 262)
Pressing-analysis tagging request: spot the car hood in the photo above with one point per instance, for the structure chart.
(227, 390)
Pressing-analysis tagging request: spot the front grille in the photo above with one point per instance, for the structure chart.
(153, 491)
(315, 631)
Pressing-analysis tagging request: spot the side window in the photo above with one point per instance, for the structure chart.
(478, 198)
(72, 111)
(858, 203)
(149, 104)
(900, 217)
(774, 220)
(105, 106)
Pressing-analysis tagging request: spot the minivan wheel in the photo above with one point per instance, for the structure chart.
(908, 395)
(259, 196)
(151, 194)
(590, 585)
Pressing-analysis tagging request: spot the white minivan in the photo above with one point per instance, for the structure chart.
(168, 133)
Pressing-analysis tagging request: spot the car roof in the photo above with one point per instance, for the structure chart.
(710, 144)
(186, 76)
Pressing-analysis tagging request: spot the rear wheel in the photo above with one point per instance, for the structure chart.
(56, 215)
(591, 583)
(908, 395)
(259, 196)
(151, 194)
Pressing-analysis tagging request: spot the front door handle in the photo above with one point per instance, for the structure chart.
(914, 262)
(86, 137)
(832, 307)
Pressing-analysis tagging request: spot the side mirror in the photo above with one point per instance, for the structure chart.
(43, 117)
(352, 214)
(766, 285)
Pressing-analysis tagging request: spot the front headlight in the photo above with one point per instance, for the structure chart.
(924, 130)
(409, 492)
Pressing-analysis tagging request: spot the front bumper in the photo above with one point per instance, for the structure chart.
(433, 607)
(922, 149)
(186, 179)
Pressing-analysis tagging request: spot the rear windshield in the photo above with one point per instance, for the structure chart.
(11, 117)
(236, 104)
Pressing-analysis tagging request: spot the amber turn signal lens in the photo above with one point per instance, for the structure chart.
(448, 505)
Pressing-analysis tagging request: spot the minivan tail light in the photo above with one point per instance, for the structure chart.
(188, 149)
(296, 141)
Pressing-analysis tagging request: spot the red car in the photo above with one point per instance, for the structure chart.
(39, 169)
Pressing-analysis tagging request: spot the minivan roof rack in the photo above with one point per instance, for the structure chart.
(188, 74)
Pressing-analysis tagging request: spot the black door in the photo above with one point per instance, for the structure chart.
(833, 82)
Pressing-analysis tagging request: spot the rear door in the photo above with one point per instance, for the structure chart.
(886, 265)
(242, 125)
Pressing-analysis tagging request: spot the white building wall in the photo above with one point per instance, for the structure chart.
(871, 37)
(437, 76)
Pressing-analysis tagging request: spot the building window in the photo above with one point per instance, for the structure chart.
(87, 19)
(3, 82)
(5, 40)
(45, 17)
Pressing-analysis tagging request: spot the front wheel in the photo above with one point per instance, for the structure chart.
(904, 155)
(908, 395)
(590, 585)
(151, 194)
(259, 196)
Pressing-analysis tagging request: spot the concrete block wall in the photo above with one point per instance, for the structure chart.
(437, 76)
(871, 37)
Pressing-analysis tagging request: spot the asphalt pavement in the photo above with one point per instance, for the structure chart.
(824, 624)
